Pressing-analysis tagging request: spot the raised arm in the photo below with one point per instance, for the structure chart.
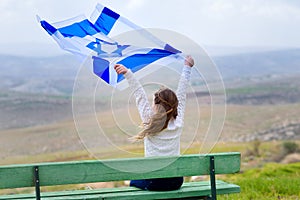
(142, 102)
(182, 87)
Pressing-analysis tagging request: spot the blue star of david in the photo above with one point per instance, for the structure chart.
(96, 46)
(119, 49)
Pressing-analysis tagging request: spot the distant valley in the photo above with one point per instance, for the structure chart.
(35, 91)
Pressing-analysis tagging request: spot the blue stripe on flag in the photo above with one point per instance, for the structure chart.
(106, 20)
(138, 61)
(101, 68)
(49, 28)
(80, 29)
(171, 49)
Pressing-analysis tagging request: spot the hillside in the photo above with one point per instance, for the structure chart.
(36, 100)
(36, 91)
(104, 135)
(262, 64)
(42, 75)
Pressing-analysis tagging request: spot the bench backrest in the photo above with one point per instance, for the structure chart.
(75, 172)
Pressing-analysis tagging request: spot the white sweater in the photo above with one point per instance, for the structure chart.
(167, 142)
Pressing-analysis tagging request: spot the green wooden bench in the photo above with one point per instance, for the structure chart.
(79, 172)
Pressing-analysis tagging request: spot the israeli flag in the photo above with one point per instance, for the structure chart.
(90, 39)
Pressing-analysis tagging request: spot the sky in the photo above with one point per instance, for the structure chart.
(235, 23)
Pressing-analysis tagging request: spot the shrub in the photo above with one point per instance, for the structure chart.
(254, 151)
(289, 147)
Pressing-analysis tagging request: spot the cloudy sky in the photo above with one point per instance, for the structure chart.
(264, 23)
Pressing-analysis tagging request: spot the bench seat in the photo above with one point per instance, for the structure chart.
(188, 190)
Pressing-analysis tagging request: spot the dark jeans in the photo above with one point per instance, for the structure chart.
(158, 184)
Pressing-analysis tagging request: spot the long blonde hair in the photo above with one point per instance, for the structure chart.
(165, 105)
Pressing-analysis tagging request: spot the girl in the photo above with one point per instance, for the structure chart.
(163, 123)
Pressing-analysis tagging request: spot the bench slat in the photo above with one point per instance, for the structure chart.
(113, 170)
(180, 194)
(190, 189)
(16, 177)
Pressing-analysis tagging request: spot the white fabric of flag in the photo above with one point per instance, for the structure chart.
(91, 39)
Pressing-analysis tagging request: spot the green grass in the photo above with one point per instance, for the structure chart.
(272, 181)
(256, 89)
(245, 90)
(258, 179)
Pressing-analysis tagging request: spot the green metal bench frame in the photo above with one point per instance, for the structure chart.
(78, 172)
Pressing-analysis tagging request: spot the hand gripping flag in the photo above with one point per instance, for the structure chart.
(91, 39)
